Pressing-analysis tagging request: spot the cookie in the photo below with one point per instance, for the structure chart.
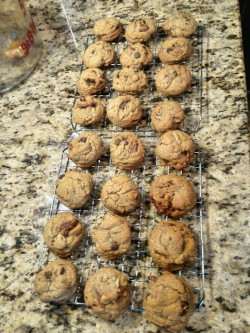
(129, 81)
(166, 116)
(119, 194)
(91, 81)
(180, 25)
(99, 54)
(112, 236)
(127, 151)
(173, 80)
(140, 30)
(175, 50)
(108, 293)
(136, 56)
(87, 110)
(176, 149)
(107, 29)
(172, 245)
(86, 149)
(124, 111)
(73, 188)
(63, 233)
(169, 302)
(173, 195)
(57, 282)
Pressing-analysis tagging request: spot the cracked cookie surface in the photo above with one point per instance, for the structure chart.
(99, 54)
(129, 81)
(88, 110)
(180, 25)
(173, 195)
(107, 29)
(175, 50)
(108, 293)
(136, 56)
(63, 233)
(169, 302)
(57, 282)
(140, 30)
(91, 81)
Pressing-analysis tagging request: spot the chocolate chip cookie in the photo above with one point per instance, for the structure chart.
(86, 149)
(127, 151)
(99, 54)
(87, 110)
(107, 29)
(108, 293)
(175, 50)
(91, 81)
(63, 233)
(119, 194)
(169, 302)
(166, 116)
(136, 56)
(129, 81)
(73, 188)
(140, 30)
(112, 236)
(180, 25)
(124, 111)
(172, 245)
(57, 282)
(176, 149)
(173, 195)
(173, 80)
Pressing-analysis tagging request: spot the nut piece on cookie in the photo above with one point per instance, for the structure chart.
(172, 245)
(129, 81)
(112, 236)
(99, 54)
(173, 195)
(91, 81)
(176, 50)
(127, 151)
(57, 282)
(136, 56)
(140, 30)
(86, 149)
(176, 149)
(107, 29)
(180, 25)
(88, 110)
(169, 302)
(63, 233)
(119, 194)
(108, 293)
(73, 188)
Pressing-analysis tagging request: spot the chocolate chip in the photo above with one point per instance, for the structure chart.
(90, 81)
(117, 142)
(83, 139)
(61, 176)
(137, 55)
(123, 105)
(169, 50)
(48, 275)
(115, 246)
(62, 271)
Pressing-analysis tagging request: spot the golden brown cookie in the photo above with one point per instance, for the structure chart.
(91, 81)
(176, 50)
(73, 188)
(119, 194)
(127, 151)
(87, 110)
(124, 111)
(86, 149)
(176, 149)
(180, 25)
(173, 80)
(112, 236)
(129, 81)
(107, 29)
(172, 245)
(169, 302)
(63, 233)
(136, 56)
(173, 195)
(108, 293)
(166, 116)
(99, 54)
(57, 282)
(140, 30)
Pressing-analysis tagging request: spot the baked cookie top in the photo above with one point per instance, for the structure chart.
(129, 81)
(175, 50)
(140, 30)
(173, 195)
(99, 54)
(180, 25)
(63, 233)
(136, 56)
(91, 81)
(87, 110)
(107, 29)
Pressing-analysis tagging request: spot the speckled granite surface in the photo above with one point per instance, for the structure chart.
(35, 120)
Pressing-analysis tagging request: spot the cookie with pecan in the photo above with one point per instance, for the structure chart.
(140, 30)
(136, 56)
(107, 29)
(91, 81)
(99, 54)
(129, 81)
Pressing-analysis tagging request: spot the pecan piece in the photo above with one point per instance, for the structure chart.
(67, 227)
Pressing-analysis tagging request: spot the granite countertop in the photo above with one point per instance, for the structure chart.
(35, 120)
